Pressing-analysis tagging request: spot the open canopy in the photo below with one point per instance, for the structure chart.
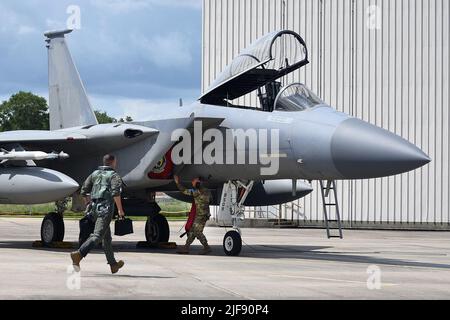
(269, 58)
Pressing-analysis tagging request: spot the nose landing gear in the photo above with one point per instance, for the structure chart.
(231, 211)
(232, 243)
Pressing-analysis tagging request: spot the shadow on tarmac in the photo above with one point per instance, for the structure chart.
(312, 253)
(115, 276)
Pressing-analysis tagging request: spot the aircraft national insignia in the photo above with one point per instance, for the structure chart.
(159, 168)
(163, 169)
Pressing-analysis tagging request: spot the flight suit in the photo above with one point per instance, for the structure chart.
(103, 186)
(202, 197)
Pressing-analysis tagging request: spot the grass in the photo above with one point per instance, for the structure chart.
(172, 209)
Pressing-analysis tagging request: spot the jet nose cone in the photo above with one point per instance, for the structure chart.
(362, 151)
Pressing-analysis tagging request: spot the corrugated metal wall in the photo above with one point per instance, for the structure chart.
(384, 61)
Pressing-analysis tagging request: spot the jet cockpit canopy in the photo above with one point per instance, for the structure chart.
(296, 97)
(266, 60)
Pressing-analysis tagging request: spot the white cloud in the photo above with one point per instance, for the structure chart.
(3, 99)
(196, 4)
(26, 30)
(11, 22)
(140, 109)
(54, 24)
(162, 60)
(120, 6)
(8, 18)
(167, 51)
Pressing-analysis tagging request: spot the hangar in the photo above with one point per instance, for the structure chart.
(383, 61)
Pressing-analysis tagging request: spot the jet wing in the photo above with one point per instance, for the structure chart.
(264, 61)
(39, 137)
(97, 139)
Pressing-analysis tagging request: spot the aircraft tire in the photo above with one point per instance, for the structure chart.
(232, 243)
(52, 228)
(157, 229)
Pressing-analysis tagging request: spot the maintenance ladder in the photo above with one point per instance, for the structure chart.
(326, 198)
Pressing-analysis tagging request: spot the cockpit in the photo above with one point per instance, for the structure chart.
(253, 79)
(296, 97)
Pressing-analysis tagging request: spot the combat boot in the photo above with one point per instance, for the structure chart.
(76, 258)
(116, 267)
(206, 250)
(183, 250)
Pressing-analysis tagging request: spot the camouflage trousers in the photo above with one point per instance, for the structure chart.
(102, 213)
(197, 232)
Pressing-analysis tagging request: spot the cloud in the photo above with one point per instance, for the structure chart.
(194, 4)
(140, 109)
(167, 51)
(133, 52)
(121, 6)
(55, 24)
(26, 30)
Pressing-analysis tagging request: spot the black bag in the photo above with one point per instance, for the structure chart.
(87, 227)
(123, 227)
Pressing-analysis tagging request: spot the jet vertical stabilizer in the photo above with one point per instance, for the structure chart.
(69, 103)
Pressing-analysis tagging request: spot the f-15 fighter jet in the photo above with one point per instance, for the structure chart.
(247, 155)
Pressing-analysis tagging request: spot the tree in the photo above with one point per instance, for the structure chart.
(24, 111)
(127, 119)
(103, 117)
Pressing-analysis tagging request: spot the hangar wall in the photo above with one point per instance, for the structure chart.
(384, 61)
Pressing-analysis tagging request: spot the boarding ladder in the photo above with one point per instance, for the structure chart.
(326, 187)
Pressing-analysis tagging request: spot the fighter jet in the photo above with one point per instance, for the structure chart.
(265, 153)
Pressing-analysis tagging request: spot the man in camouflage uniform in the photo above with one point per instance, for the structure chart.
(202, 197)
(103, 190)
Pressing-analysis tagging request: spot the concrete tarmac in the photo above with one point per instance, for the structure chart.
(274, 264)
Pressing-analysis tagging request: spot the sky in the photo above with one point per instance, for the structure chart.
(134, 56)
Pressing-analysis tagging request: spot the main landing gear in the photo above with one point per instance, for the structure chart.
(157, 230)
(52, 228)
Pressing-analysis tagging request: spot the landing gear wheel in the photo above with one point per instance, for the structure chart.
(157, 229)
(232, 243)
(52, 228)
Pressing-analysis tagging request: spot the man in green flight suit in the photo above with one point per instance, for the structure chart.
(103, 190)
(202, 197)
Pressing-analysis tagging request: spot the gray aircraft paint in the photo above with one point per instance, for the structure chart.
(69, 104)
(269, 193)
(26, 185)
(318, 143)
